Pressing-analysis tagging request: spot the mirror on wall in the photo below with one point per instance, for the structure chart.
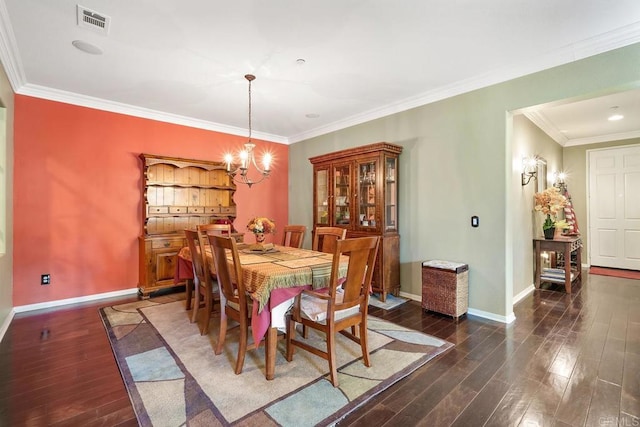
(541, 174)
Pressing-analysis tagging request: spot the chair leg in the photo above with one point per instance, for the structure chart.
(196, 303)
(189, 293)
(207, 312)
(223, 331)
(331, 357)
(291, 335)
(242, 348)
(364, 344)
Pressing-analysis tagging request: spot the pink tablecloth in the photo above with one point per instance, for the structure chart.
(184, 267)
(260, 320)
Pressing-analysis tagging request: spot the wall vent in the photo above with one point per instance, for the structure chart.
(92, 20)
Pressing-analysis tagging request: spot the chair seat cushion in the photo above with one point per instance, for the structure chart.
(234, 305)
(315, 309)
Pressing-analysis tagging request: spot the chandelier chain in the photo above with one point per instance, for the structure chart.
(240, 174)
(250, 79)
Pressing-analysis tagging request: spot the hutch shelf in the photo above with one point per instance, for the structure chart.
(178, 194)
(357, 189)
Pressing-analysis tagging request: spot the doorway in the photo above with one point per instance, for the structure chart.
(614, 207)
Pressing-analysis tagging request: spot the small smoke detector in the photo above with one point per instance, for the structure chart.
(93, 20)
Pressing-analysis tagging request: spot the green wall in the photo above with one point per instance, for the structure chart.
(457, 162)
(529, 140)
(6, 204)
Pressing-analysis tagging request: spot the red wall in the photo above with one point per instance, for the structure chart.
(78, 199)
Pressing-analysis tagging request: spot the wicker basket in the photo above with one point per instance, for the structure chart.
(445, 287)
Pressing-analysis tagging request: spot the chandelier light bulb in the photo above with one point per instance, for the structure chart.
(247, 157)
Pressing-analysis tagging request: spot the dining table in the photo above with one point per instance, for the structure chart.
(273, 278)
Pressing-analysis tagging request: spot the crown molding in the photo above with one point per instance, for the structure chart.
(9, 55)
(615, 39)
(10, 58)
(132, 110)
(539, 119)
(603, 138)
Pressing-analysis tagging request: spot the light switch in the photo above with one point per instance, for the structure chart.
(475, 221)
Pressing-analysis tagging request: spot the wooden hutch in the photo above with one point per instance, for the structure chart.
(178, 194)
(357, 189)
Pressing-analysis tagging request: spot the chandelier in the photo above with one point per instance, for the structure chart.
(247, 158)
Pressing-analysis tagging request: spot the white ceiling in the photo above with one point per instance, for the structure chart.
(184, 61)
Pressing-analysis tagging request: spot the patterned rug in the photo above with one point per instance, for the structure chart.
(174, 378)
(390, 302)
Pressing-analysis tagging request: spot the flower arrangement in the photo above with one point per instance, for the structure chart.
(261, 225)
(550, 202)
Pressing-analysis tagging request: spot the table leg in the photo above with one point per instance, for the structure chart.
(538, 265)
(579, 261)
(271, 344)
(567, 267)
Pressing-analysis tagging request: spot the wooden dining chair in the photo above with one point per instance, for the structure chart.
(205, 289)
(294, 235)
(342, 308)
(237, 304)
(221, 229)
(202, 237)
(324, 238)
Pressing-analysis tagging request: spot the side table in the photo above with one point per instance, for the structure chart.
(566, 245)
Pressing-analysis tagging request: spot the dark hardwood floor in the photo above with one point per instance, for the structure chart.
(567, 360)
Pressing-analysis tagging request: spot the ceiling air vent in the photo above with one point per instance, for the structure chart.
(95, 21)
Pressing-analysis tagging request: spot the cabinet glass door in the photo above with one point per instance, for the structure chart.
(341, 192)
(367, 195)
(391, 193)
(322, 196)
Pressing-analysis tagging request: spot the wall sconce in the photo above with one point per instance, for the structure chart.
(529, 169)
(558, 181)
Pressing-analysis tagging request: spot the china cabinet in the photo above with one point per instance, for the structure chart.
(178, 194)
(357, 189)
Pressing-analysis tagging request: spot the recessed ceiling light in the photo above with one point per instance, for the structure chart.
(300, 61)
(615, 115)
(312, 116)
(87, 47)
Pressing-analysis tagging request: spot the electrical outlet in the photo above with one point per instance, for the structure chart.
(45, 279)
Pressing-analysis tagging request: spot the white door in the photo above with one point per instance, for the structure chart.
(614, 207)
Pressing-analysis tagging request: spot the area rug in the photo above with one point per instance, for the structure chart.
(390, 302)
(614, 272)
(174, 378)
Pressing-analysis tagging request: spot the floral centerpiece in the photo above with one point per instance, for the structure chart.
(550, 202)
(261, 225)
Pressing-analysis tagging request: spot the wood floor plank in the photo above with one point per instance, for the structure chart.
(605, 404)
(567, 360)
(577, 396)
(514, 404)
(483, 406)
(630, 401)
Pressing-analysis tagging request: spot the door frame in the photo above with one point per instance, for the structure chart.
(588, 191)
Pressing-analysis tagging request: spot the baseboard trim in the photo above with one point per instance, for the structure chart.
(525, 293)
(484, 314)
(57, 303)
(411, 296)
(511, 317)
